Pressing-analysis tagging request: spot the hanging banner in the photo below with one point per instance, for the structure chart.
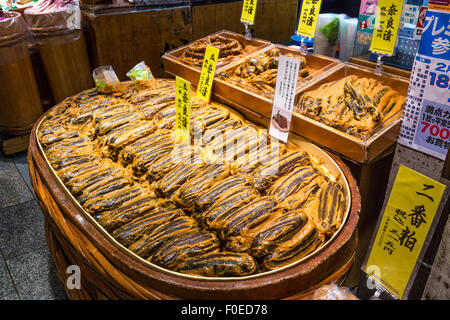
(308, 18)
(208, 71)
(403, 230)
(248, 11)
(439, 5)
(283, 101)
(385, 31)
(183, 110)
(426, 119)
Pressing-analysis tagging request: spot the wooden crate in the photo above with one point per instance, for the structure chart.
(124, 39)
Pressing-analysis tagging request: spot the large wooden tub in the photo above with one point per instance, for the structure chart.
(107, 272)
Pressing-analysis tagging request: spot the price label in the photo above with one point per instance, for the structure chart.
(207, 76)
(308, 18)
(283, 100)
(426, 119)
(183, 110)
(387, 21)
(248, 11)
(402, 232)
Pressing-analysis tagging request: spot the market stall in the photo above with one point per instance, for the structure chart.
(240, 158)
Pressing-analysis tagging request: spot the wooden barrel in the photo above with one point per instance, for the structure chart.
(108, 273)
(63, 53)
(66, 63)
(45, 91)
(20, 103)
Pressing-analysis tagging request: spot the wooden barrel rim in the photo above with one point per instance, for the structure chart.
(48, 32)
(12, 39)
(187, 288)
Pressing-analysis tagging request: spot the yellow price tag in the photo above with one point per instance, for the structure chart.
(183, 110)
(207, 76)
(248, 11)
(387, 21)
(404, 227)
(308, 18)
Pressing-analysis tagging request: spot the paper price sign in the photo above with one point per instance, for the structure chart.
(426, 119)
(308, 18)
(283, 100)
(183, 110)
(207, 76)
(406, 221)
(248, 11)
(387, 21)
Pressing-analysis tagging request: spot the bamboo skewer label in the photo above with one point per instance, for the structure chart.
(208, 71)
(248, 12)
(387, 21)
(308, 18)
(183, 110)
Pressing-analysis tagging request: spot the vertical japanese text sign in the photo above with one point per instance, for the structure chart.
(208, 71)
(426, 119)
(387, 21)
(183, 110)
(283, 100)
(308, 18)
(403, 230)
(248, 11)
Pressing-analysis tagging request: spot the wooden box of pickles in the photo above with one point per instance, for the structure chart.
(147, 217)
(186, 61)
(347, 109)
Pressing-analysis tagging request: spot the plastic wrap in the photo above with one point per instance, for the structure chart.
(327, 33)
(20, 104)
(333, 292)
(106, 80)
(347, 36)
(14, 36)
(58, 24)
(142, 76)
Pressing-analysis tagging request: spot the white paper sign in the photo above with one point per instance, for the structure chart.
(283, 101)
(426, 119)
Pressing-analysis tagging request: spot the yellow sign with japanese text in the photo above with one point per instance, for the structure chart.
(183, 110)
(404, 227)
(207, 76)
(248, 11)
(385, 31)
(308, 18)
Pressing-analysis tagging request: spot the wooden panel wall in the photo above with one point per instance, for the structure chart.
(126, 38)
(275, 21)
(123, 40)
(209, 18)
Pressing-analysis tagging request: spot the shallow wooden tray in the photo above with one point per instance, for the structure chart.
(256, 100)
(176, 67)
(317, 64)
